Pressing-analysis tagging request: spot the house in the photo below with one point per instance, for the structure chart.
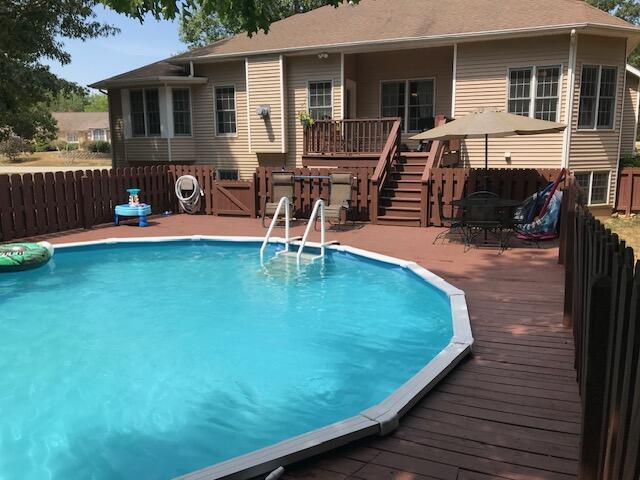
(235, 103)
(81, 127)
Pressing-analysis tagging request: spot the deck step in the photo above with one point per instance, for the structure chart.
(400, 211)
(401, 193)
(387, 202)
(399, 221)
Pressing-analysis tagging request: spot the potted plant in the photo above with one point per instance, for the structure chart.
(305, 119)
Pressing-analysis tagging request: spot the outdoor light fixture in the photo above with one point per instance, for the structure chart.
(323, 55)
(263, 111)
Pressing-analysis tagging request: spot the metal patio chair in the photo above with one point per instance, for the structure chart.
(282, 185)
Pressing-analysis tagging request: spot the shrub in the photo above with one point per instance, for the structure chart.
(630, 160)
(62, 146)
(13, 147)
(98, 146)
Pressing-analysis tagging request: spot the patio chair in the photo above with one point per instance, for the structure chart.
(455, 223)
(339, 199)
(282, 185)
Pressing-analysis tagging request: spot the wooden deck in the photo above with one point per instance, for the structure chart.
(510, 411)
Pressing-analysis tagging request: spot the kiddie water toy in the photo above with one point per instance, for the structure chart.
(23, 256)
(133, 209)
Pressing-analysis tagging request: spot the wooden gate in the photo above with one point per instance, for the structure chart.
(234, 197)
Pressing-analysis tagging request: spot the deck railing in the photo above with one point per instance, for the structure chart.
(388, 156)
(602, 304)
(349, 137)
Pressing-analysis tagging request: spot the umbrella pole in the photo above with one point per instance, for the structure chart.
(486, 161)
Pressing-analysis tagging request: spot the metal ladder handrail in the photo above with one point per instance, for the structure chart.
(319, 205)
(287, 219)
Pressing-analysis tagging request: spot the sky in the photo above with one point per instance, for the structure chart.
(136, 45)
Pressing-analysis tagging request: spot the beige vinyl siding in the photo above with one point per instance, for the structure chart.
(597, 150)
(298, 72)
(482, 82)
(265, 88)
(629, 119)
(146, 149)
(226, 152)
(183, 150)
(116, 125)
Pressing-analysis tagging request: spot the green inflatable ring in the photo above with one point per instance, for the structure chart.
(22, 256)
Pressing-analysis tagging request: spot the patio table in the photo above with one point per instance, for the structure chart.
(488, 214)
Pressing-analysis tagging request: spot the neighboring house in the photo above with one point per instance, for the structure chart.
(81, 127)
(560, 60)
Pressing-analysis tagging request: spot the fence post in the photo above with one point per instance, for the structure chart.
(86, 204)
(597, 333)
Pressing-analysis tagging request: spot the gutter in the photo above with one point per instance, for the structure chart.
(190, 79)
(470, 36)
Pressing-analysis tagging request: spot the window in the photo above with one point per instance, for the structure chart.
(320, 100)
(595, 186)
(72, 137)
(181, 100)
(228, 174)
(417, 94)
(534, 92)
(99, 135)
(144, 107)
(520, 91)
(597, 97)
(225, 110)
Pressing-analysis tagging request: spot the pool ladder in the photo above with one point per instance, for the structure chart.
(318, 208)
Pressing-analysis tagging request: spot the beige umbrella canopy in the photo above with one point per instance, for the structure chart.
(485, 123)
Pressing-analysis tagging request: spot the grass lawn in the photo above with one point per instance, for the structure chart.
(54, 159)
(627, 228)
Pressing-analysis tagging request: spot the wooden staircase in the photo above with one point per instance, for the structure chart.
(400, 196)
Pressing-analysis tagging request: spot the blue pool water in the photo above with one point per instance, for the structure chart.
(153, 360)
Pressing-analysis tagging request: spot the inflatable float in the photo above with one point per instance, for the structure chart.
(22, 256)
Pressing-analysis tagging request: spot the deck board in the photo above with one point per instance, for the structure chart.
(511, 411)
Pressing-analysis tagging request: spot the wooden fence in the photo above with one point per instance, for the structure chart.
(38, 204)
(308, 190)
(602, 304)
(455, 183)
(628, 197)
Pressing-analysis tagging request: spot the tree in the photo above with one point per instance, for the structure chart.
(73, 101)
(628, 10)
(199, 28)
(235, 16)
(97, 102)
(31, 30)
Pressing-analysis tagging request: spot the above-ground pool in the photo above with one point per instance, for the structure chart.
(152, 360)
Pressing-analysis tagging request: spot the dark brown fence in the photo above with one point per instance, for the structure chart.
(628, 197)
(38, 204)
(455, 183)
(602, 304)
(308, 190)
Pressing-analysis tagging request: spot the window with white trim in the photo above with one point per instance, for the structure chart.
(534, 92)
(417, 95)
(226, 110)
(595, 186)
(320, 100)
(597, 97)
(144, 107)
(72, 137)
(181, 103)
(99, 135)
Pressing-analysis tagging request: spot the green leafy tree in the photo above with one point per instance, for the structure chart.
(97, 102)
(233, 15)
(628, 10)
(30, 31)
(68, 101)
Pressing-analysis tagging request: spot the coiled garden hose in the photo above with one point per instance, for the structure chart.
(191, 203)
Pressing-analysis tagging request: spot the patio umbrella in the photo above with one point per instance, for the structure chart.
(485, 123)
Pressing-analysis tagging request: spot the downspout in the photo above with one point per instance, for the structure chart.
(624, 94)
(571, 74)
(191, 71)
(167, 103)
(453, 80)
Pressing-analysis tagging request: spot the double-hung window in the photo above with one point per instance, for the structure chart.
(411, 100)
(595, 185)
(597, 97)
(98, 135)
(320, 95)
(145, 112)
(226, 110)
(181, 101)
(534, 92)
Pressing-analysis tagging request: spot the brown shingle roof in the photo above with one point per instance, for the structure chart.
(379, 20)
(81, 121)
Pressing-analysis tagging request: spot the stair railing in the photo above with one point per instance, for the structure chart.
(387, 157)
(319, 206)
(287, 220)
(434, 158)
